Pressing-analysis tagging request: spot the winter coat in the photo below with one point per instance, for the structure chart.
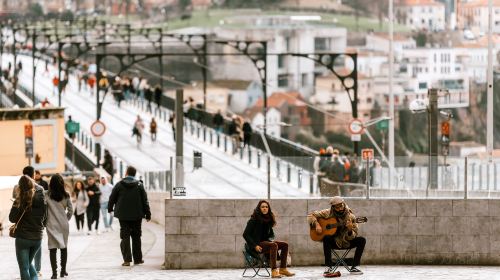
(108, 164)
(218, 120)
(256, 232)
(342, 236)
(106, 191)
(59, 213)
(152, 127)
(130, 199)
(32, 223)
(81, 202)
(247, 128)
(158, 94)
(94, 200)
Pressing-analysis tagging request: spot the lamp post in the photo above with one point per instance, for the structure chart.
(262, 131)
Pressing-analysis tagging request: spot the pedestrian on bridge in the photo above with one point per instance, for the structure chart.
(59, 213)
(106, 189)
(153, 129)
(158, 94)
(138, 128)
(129, 201)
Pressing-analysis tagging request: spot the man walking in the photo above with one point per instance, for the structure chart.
(132, 206)
(94, 194)
(106, 189)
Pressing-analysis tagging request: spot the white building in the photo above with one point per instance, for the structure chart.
(473, 15)
(273, 117)
(284, 34)
(380, 42)
(437, 68)
(421, 14)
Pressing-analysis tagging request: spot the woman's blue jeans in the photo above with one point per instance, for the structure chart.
(25, 252)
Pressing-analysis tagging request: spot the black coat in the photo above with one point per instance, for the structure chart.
(33, 222)
(256, 232)
(94, 200)
(131, 200)
(218, 120)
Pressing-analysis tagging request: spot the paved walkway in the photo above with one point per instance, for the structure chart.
(98, 257)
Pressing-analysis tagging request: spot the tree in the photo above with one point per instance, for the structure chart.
(35, 11)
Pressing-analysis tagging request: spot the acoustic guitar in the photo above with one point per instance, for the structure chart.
(329, 227)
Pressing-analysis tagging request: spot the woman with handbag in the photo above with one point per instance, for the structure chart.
(60, 211)
(259, 236)
(28, 212)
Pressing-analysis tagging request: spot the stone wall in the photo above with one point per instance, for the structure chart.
(157, 206)
(208, 233)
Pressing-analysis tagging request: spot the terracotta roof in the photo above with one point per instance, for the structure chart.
(277, 100)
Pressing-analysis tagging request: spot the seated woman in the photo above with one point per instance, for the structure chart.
(259, 234)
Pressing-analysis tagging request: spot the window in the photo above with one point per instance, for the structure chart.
(422, 85)
(281, 61)
(304, 80)
(283, 80)
(287, 44)
(322, 44)
(369, 100)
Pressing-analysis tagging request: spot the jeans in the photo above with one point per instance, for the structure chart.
(130, 229)
(106, 217)
(38, 259)
(25, 253)
(329, 244)
(79, 219)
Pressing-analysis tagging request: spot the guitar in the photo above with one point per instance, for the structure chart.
(329, 227)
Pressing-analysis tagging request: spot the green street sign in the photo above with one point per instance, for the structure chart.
(72, 127)
(383, 125)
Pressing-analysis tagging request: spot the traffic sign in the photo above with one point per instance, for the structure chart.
(445, 128)
(382, 125)
(367, 154)
(28, 141)
(356, 126)
(355, 137)
(28, 130)
(98, 128)
(72, 127)
(179, 191)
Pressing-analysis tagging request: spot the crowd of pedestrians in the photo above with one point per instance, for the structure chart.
(40, 207)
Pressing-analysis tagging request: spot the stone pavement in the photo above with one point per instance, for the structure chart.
(98, 257)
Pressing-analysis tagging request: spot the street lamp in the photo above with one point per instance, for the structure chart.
(262, 131)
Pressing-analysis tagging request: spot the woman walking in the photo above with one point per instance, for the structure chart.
(60, 211)
(259, 236)
(81, 201)
(28, 213)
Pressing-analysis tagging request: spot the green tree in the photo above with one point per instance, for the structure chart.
(35, 11)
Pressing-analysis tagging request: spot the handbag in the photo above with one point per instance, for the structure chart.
(13, 228)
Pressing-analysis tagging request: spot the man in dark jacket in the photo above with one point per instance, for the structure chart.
(218, 122)
(132, 206)
(94, 207)
(40, 181)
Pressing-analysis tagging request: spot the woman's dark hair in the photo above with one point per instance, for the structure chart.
(268, 218)
(56, 188)
(76, 191)
(26, 192)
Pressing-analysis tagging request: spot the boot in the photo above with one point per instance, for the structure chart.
(275, 273)
(285, 272)
(53, 263)
(64, 259)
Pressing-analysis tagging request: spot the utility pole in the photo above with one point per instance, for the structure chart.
(179, 139)
(489, 91)
(391, 91)
(433, 114)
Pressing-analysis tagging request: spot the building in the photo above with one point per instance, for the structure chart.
(292, 111)
(473, 15)
(379, 42)
(421, 14)
(257, 120)
(284, 34)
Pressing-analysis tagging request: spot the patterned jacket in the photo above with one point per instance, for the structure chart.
(342, 236)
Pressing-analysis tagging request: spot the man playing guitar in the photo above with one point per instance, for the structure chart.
(345, 237)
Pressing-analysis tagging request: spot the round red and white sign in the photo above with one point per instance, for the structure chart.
(356, 126)
(98, 128)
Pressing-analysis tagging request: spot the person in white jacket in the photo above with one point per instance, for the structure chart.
(106, 189)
